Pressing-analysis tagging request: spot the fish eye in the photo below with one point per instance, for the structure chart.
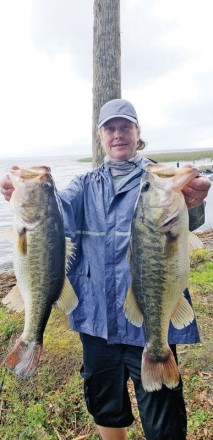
(145, 186)
(46, 185)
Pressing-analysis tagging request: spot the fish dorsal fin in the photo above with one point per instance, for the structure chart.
(194, 242)
(131, 309)
(183, 314)
(68, 300)
(13, 300)
(69, 252)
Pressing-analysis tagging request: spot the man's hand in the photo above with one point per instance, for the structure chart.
(196, 191)
(6, 186)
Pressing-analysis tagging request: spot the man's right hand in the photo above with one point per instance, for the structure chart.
(6, 186)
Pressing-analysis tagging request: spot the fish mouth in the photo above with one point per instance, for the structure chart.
(37, 173)
(30, 173)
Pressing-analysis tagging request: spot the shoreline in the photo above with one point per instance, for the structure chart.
(171, 155)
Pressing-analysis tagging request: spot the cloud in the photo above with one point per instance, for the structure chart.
(46, 70)
(65, 26)
(146, 54)
(187, 125)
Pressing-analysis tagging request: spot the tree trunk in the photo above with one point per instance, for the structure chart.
(106, 64)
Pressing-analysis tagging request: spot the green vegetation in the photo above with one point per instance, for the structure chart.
(195, 362)
(177, 156)
(174, 156)
(50, 405)
(86, 159)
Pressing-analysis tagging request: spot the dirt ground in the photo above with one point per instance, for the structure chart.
(207, 238)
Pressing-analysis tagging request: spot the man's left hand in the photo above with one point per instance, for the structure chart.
(196, 191)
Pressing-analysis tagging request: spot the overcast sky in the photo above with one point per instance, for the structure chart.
(46, 74)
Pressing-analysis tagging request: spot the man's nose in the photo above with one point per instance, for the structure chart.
(118, 133)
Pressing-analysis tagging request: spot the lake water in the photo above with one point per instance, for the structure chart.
(63, 170)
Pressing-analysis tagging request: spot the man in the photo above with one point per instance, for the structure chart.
(97, 210)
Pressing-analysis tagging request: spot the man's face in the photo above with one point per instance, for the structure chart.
(119, 139)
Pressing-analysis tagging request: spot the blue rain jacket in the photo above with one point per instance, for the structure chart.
(99, 222)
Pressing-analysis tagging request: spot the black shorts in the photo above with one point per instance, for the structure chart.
(106, 370)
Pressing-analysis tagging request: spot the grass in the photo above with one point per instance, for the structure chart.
(196, 361)
(50, 405)
(174, 156)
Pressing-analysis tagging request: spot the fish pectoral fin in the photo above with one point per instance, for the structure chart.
(183, 314)
(13, 300)
(7, 235)
(68, 300)
(131, 309)
(194, 242)
(69, 252)
(129, 254)
(22, 241)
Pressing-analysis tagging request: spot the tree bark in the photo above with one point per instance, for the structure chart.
(106, 64)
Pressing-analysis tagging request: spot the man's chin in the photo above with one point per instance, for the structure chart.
(120, 155)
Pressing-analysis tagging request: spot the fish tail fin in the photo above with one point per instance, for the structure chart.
(156, 373)
(23, 358)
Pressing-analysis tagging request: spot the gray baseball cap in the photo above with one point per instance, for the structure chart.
(117, 108)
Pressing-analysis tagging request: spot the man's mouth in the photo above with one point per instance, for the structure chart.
(120, 145)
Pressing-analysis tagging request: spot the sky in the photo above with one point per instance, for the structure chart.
(46, 74)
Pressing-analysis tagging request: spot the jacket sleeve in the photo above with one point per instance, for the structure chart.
(71, 201)
(196, 216)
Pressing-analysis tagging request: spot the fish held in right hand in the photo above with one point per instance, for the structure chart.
(39, 263)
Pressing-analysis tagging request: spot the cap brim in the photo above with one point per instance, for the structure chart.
(129, 118)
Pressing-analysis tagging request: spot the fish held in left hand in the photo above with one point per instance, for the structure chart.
(159, 264)
(41, 255)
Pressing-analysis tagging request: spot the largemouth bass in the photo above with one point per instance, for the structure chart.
(39, 263)
(159, 264)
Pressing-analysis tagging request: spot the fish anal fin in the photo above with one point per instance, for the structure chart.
(131, 309)
(183, 314)
(156, 373)
(24, 357)
(13, 300)
(68, 300)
